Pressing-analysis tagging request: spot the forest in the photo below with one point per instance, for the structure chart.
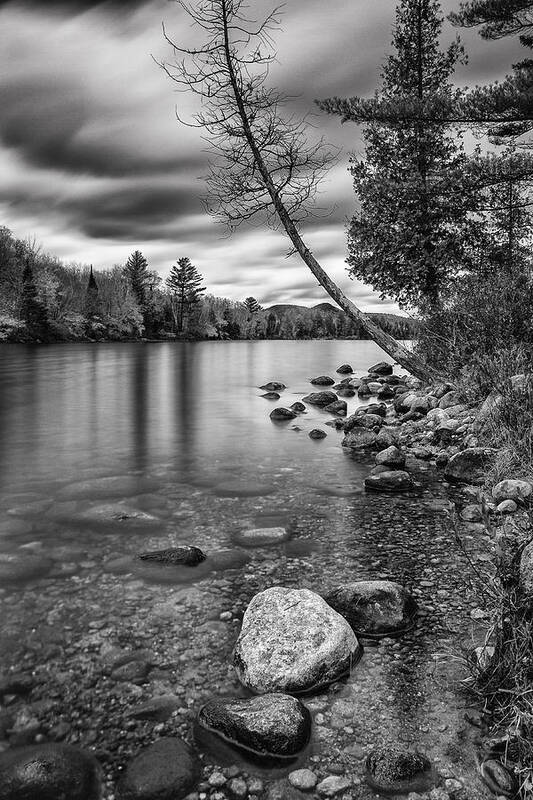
(42, 299)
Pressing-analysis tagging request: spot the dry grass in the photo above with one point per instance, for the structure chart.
(502, 680)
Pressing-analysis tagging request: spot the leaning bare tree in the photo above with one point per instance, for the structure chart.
(262, 160)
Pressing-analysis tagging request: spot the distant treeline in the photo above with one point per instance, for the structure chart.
(42, 299)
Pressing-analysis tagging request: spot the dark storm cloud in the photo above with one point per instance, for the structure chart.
(75, 6)
(49, 123)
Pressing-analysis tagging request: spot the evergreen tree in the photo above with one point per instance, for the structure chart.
(33, 312)
(252, 305)
(185, 287)
(505, 107)
(139, 277)
(412, 231)
(92, 304)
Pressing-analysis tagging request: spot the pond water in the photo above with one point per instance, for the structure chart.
(113, 449)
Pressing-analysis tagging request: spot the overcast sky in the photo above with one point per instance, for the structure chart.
(94, 165)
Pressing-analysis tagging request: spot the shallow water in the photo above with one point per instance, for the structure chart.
(111, 450)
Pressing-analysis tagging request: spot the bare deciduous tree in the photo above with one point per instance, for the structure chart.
(263, 162)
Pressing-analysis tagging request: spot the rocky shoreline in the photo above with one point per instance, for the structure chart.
(296, 645)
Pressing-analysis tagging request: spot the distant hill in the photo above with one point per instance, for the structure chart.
(326, 320)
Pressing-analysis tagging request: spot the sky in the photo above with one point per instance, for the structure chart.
(94, 163)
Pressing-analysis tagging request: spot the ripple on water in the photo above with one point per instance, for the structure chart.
(240, 488)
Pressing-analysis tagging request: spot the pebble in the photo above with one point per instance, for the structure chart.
(303, 779)
(333, 785)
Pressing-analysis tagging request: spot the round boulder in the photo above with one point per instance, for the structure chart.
(339, 408)
(374, 608)
(49, 772)
(282, 415)
(273, 386)
(316, 433)
(272, 725)
(391, 770)
(391, 457)
(344, 369)
(322, 380)
(392, 481)
(292, 641)
(321, 398)
(298, 407)
(469, 466)
(381, 368)
(360, 439)
(166, 770)
(517, 490)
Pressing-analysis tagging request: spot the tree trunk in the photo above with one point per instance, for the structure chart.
(393, 348)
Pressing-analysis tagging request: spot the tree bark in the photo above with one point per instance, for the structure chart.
(410, 361)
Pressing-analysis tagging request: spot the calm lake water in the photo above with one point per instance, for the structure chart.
(108, 450)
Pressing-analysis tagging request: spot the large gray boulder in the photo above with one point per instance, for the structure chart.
(49, 772)
(395, 480)
(374, 608)
(469, 466)
(273, 725)
(292, 641)
(391, 457)
(360, 439)
(381, 368)
(166, 770)
(322, 380)
(320, 398)
(282, 414)
(517, 490)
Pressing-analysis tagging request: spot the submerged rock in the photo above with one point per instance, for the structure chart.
(272, 725)
(292, 641)
(339, 408)
(49, 772)
(187, 556)
(321, 398)
(469, 466)
(392, 481)
(392, 770)
(271, 396)
(316, 433)
(282, 415)
(374, 608)
(243, 489)
(298, 407)
(273, 386)
(261, 537)
(322, 380)
(21, 567)
(166, 770)
(114, 486)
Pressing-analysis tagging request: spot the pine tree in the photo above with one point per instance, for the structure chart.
(92, 303)
(184, 284)
(412, 231)
(505, 107)
(252, 305)
(138, 275)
